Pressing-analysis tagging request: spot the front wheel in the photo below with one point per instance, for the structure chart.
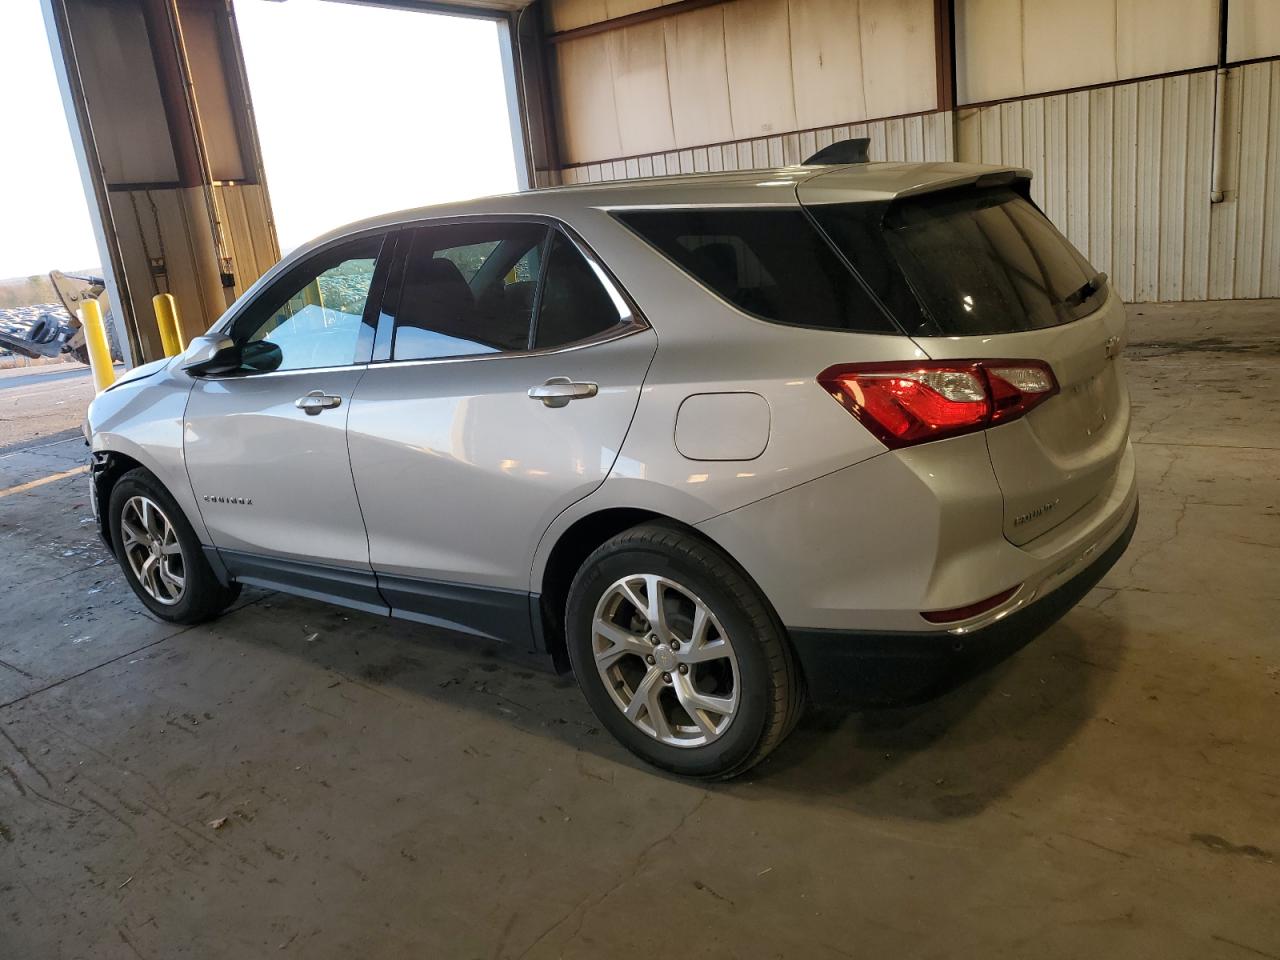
(160, 553)
(679, 655)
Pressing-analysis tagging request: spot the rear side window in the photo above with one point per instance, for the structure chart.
(965, 262)
(575, 303)
(468, 289)
(770, 263)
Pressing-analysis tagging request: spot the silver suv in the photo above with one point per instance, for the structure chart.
(714, 443)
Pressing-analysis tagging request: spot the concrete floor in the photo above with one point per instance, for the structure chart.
(1112, 790)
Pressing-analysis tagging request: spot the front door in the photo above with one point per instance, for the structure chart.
(266, 447)
(460, 470)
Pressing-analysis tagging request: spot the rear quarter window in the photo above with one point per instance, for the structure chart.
(770, 263)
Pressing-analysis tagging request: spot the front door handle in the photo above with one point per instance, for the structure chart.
(315, 401)
(558, 391)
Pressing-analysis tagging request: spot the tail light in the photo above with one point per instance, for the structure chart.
(905, 403)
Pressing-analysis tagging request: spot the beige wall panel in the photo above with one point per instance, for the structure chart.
(992, 134)
(791, 149)
(878, 149)
(937, 137)
(621, 8)
(213, 98)
(1124, 188)
(570, 14)
(826, 62)
(1101, 143)
(1033, 147)
(1223, 216)
(895, 145)
(1068, 44)
(758, 55)
(1195, 262)
(988, 50)
(1271, 239)
(1253, 29)
(969, 135)
(1010, 133)
(913, 132)
(1146, 267)
(808, 143)
(1259, 115)
(1173, 187)
(1078, 213)
(133, 256)
(1161, 36)
(248, 231)
(638, 57)
(587, 108)
(697, 76)
(130, 131)
(1054, 170)
(898, 69)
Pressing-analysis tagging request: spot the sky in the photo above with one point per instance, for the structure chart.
(44, 220)
(360, 111)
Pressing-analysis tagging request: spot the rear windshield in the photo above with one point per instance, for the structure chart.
(770, 263)
(965, 262)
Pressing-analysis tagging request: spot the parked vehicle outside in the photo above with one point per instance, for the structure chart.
(718, 444)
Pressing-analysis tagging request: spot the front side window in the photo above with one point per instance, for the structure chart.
(314, 315)
(468, 289)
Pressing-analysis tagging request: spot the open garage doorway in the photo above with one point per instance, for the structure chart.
(365, 109)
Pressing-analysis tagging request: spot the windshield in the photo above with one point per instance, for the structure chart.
(965, 262)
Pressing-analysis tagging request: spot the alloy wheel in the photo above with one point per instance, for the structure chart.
(666, 660)
(152, 550)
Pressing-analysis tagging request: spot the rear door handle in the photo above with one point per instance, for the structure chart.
(315, 401)
(558, 391)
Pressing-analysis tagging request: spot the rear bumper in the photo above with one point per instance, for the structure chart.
(845, 667)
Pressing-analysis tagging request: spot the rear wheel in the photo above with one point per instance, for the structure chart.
(679, 654)
(160, 554)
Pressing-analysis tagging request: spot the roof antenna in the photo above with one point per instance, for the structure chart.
(842, 151)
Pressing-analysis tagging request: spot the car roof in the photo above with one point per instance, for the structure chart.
(776, 186)
(826, 183)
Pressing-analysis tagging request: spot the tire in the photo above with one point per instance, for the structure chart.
(142, 514)
(741, 659)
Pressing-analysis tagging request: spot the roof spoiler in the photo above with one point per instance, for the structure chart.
(842, 151)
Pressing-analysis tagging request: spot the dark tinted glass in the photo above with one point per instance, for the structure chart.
(978, 261)
(770, 263)
(467, 289)
(314, 314)
(575, 304)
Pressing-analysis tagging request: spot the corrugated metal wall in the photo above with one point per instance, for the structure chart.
(923, 137)
(1124, 171)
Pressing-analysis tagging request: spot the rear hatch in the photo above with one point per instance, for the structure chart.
(976, 272)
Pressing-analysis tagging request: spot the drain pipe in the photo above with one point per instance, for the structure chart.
(1218, 189)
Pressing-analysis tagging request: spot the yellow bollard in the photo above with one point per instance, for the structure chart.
(167, 321)
(95, 340)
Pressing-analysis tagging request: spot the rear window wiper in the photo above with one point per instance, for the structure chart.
(1086, 291)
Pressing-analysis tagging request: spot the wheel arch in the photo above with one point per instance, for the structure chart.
(571, 548)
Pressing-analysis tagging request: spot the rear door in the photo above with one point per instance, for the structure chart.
(500, 395)
(979, 273)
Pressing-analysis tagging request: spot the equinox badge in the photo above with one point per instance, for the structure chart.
(1039, 511)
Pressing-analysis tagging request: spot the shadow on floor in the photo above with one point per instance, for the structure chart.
(952, 755)
(946, 757)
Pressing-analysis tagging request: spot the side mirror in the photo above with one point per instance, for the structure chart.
(210, 356)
